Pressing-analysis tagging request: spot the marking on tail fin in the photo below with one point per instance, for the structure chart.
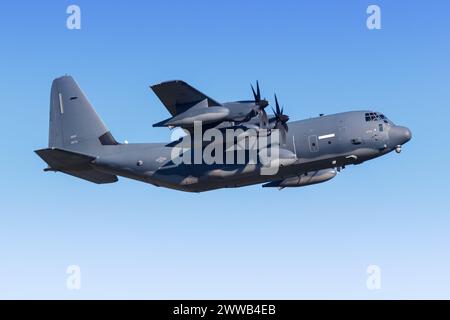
(61, 106)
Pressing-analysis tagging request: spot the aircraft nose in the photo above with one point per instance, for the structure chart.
(399, 135)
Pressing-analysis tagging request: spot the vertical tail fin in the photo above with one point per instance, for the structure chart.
(74, 124)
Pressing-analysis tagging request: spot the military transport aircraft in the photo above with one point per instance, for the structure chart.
(309, 151)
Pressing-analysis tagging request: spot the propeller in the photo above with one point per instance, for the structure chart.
(280, 120)
(260, 104)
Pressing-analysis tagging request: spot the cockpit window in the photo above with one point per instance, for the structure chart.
(375, 116)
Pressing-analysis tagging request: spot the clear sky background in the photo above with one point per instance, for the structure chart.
(133, 240)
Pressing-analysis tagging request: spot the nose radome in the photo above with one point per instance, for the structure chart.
(400, 135)
(408, 134)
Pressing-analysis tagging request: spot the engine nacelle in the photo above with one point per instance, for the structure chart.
(200, 112)
(207, 115)
(307, 179)
(285, 158)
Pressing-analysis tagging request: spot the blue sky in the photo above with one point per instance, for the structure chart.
(133, 240)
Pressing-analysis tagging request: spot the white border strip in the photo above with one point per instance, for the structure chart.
(331, 135)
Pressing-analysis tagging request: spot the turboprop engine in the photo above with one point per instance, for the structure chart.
(200, 112)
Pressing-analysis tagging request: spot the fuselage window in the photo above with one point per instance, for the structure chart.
(380, 127)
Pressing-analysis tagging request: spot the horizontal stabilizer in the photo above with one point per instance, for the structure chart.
(75, 164)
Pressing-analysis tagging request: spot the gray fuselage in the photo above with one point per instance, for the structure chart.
(325, 142)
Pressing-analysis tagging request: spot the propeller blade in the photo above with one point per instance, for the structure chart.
(258, 109)
(281, 128)
(254, 94)
(263, 118)
(258, 93)
(280, 120)
(277, 106)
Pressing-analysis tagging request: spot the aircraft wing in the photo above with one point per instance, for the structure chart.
(178, 96)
